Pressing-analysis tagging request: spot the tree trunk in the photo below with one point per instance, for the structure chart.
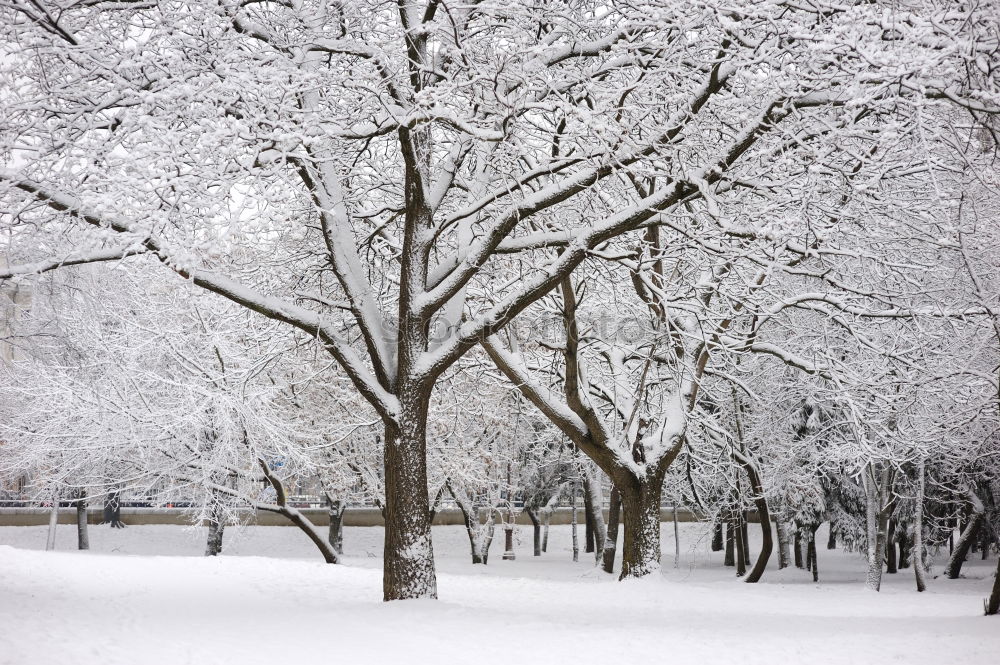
(113, 510)
(546, 518)
(831, 539)
(764, 514)
(216, 528)
(677, 539)
(588, 524)
(408, 568)
(576, 544)
(954, 567)
(890, 549)
(745, 536)
(335, 535)
(993, 603)
(877, 511)
(611, 541)
(730, 558)
(593, 501)
(717, 538)
(294, 516)
(508, 542)
(50, 540)
(813, 563)
(641, 504)
(905, 546)
(781, 526)
(797, 547)
(536, 527)
(741, 546)
(919, 572)
(82, 535)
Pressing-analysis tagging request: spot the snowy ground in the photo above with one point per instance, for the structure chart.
(144, 596)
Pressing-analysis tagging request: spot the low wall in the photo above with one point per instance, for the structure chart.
(358, 516)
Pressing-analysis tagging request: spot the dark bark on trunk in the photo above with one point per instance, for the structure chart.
(589, 533)
(546, 518)
(767, 544)
(797, 546)
(745, 537)
(611, 542)
(741, 547)
(295, 517)
(508, 542)
(993, 602)
(905, 546)
(831, 540)
(813, 563)
(408, 568)
(536, 528)
(213, 547)
(576, 542)
(730, 559)
(641, 506)
(954, 567)
(717, 540)
(113, 510)
(82, 536)
(335, 534)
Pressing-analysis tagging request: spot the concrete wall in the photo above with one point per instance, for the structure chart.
(359, 516)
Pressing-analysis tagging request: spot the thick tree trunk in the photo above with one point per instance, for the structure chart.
(408, 568)
(508, 541)
(335, 535)
(717, 539)
(50, 540)
(797, 547)
(216, 529)
(641, 505)
(741, 546)
(781, 526)
(82, 535)
(877, 511)
(536, 528)
(611, 542)
(969, 535)
(113, 510)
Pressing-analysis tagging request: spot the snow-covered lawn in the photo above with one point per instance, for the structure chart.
(144, 596)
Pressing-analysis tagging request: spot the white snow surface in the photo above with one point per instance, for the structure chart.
(144, 596)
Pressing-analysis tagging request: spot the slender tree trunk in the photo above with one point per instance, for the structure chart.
(993, 602)
(50, 540)
(641, 505)
(611, 541)
(588, 525)
(814, 564)
(919, 571)
(508, 540)
(877, 510)
(745, 536)
(730, 558)
(890, 549)
(294, 516)
(677, 539)
(764, 514)
(536, 527)
(593, 501)
(831, 539)
(797, 546)
(576, 544)
(781, 526)
(82, 535)
(408, 568)
(335, 535)
(546, 518)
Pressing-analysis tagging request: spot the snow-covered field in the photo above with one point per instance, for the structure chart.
(145, 596)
